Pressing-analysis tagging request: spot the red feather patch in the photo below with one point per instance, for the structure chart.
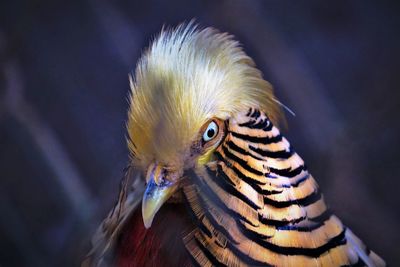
(161, 245)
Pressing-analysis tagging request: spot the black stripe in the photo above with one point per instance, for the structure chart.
(288, 172)
(198, 220)
(256, 234)
(295, 184)
(254, 183)
(226, 184)
(255, 114)
(322, 217)
(208, 254)
(271, 192)
(213, 222)
(336, 241)
(308, 228)
(249, 112)
(303, 202)
(268, 127)
(203, 228)
(248, 124)
(240, 150)
(225, 177)
(255, 139)
(208, 215)
(213, 196)
(219, 227)
(253, 124)
(282, 154)
(279, 223)
(241, 162)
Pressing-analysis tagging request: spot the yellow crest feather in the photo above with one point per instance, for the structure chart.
(186, 77)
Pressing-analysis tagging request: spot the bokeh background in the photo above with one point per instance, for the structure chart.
(64, 82)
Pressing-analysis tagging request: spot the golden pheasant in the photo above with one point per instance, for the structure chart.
(203, 137)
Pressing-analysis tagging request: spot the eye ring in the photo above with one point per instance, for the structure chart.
(211, 132)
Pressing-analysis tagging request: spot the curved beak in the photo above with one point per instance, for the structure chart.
(158, 191)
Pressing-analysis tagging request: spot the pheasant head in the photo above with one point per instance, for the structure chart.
(186, 85)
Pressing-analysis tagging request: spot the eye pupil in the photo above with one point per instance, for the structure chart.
(210, 133)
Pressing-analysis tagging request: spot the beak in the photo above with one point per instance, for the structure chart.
(158, 191)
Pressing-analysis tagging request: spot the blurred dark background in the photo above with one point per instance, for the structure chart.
(64, 81)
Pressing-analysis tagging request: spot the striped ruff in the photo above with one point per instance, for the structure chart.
(257, 205)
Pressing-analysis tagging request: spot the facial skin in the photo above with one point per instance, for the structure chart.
(164, 180)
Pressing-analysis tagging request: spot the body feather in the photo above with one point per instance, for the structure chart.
(259, 193)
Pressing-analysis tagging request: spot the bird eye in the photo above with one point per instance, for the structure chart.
(210, 132)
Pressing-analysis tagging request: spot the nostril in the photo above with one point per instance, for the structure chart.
(159, 176)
